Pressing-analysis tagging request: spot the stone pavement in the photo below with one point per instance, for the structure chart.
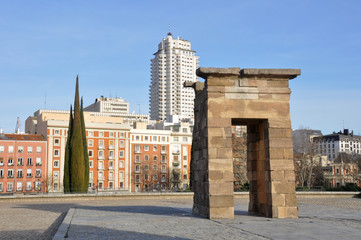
(327, 218)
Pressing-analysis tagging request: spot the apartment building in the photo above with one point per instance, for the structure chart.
(22, 163)
(108, 148)
(332, 144)
(173, 64)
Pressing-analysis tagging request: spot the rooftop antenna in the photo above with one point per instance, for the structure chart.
(17, 129)
(169, 33)
(343, 124)
(45, 101)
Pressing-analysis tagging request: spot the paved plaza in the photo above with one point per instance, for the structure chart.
(117, 218)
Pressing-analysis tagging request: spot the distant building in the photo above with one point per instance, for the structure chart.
(22, 163)
(332, 144)
(120, 158)
(341, 171)
(173, 64)
(115, 107)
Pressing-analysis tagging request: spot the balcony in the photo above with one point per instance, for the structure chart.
(100, 167)
(137, 180)
(29, 176)
(10, 176)
(137, 170)
(111, 178)
(101, 157)
(176, 152)
(176, 163)
(101, 147)
(38, 164)
(137, 151)
(111, 147)
(38, 175)
(20, 176)
(137, 161)
(20, 164)
(111, 157)
(101, 178)
(163, 152)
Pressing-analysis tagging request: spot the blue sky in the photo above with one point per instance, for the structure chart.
(45, 44)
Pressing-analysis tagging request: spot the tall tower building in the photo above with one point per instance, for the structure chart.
(172, 65)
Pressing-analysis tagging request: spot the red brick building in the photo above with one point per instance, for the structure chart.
(22, 163)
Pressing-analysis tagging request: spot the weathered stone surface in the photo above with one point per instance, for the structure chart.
(258, 98)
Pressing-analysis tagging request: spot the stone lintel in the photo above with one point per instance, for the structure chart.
(206, 72)
(197, 86)
(271, 73)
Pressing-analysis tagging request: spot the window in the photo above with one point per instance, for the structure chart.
(185, 130)
(20, 161)
(111, 186)
(111, 154)
(146, 177)
(28, 186)
(121, 143)
(137, 158)
(146, 148)
(20, 173)
(10, 161)
(121, 175)
(56, 175)
(1, 161)
(111, 144)
(20, 149)
(56, 141)
(137, 138)
(146, 138)
(137, 148)
(175, 139)
(111, 165)
(154, 138)
(155, 158)
(185, 158)
(11, 149)
(9, 187)
(155, 177)
(56, 153)
(146, 157)
(91, 134)
(38, 161)
(30, 149)
(111, 134)
(185, 139)
(56, 132)
(185, 176)
(37, 173)
(30, 161)
(1, 149)
(56, 186)
(90, 143)
(163, 178)
(121, 153)
(90, 164)
(38, 149)
(121, 185)
(137, 168)
(1, 173)
(137, 178)
(101, 154)
(56, 164)
(164, 149)
(101, 134)
(163, 139)
(100, 165)
(29, 173)
(90, 153)
(101, 143)
(122, 134)
(164, 159)
(1, 186)
(121, 164)
(155, 167)
(146, 167)
(155, 148)
(37, 186)
(163, 168)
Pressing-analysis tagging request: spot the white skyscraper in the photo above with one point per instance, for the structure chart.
(172, 65)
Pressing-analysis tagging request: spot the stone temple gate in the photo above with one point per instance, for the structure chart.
(259, 99)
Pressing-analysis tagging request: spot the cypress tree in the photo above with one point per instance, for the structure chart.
(76, 154)
(66, 180)
(85, 146)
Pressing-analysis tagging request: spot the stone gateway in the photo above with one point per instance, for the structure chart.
(259, 99)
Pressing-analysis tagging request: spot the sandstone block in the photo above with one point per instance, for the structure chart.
(225, 152)
(283, 187)
(221, 200)
(220, 188)
(221, 213)
(220, 164)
